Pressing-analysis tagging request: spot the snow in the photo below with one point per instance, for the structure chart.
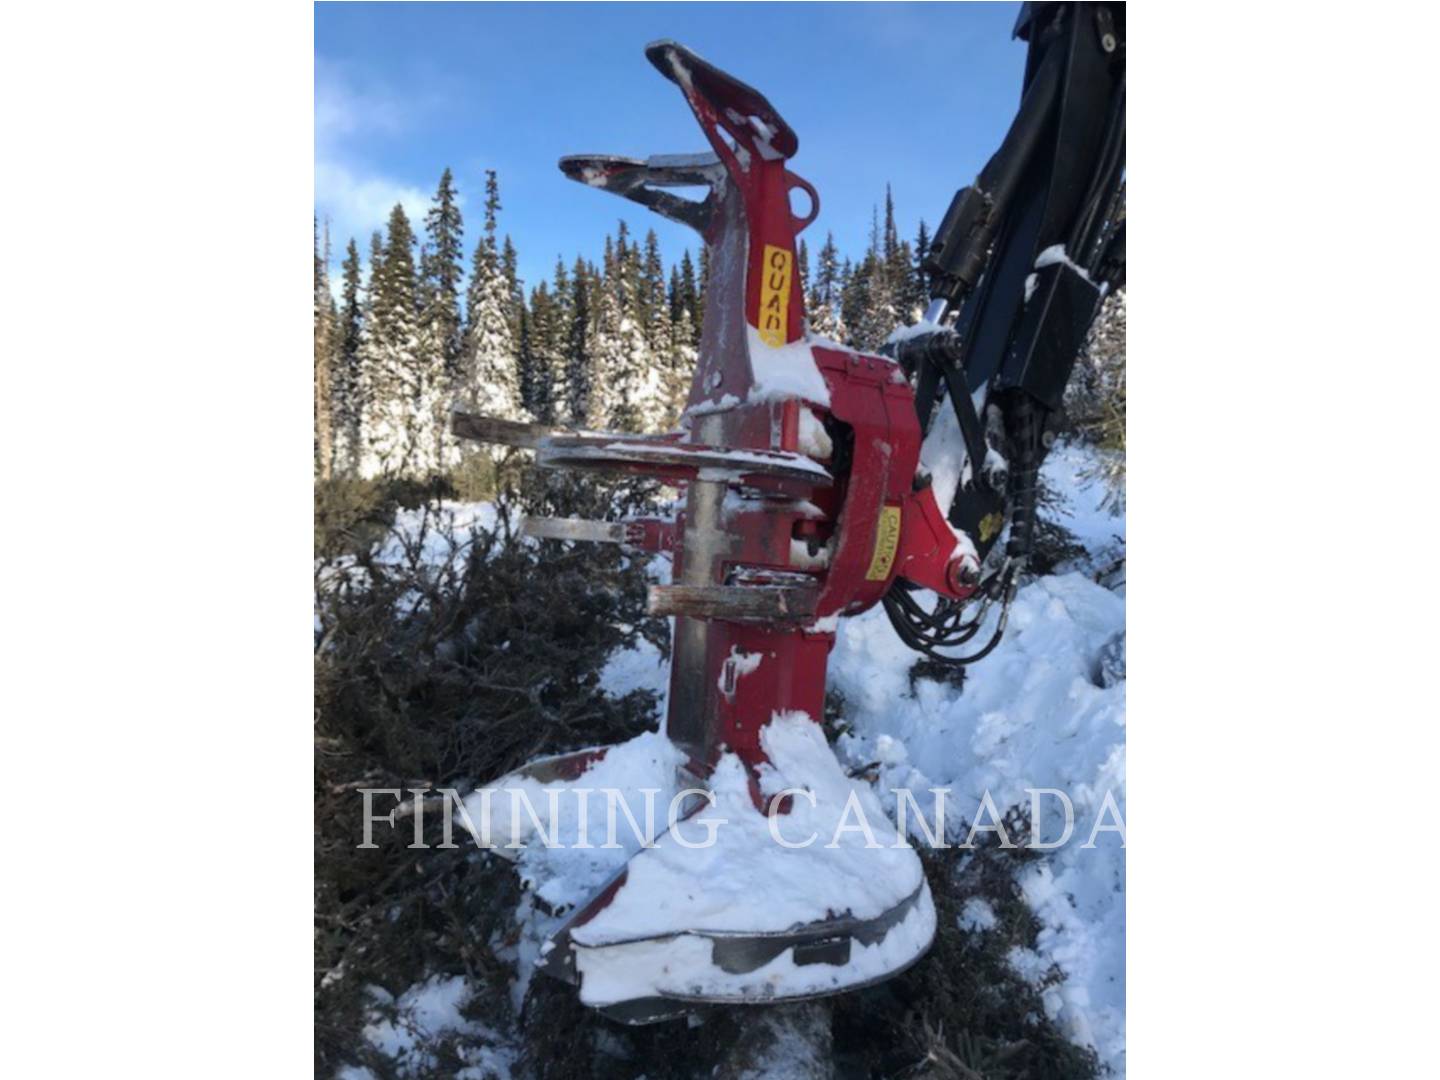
(575, 815)
(641, 667)
(401, 1029)
(1033, 715)
(800, 884)
(814, 439)
(943, 454)
(1053, 254)
(846, 856)
(639, 945)
(784, 371)
(429, 531)
(802, 558)
(826, 624)
(636, 781)
(905, 333)
(428, 1008)
(724, 403)
(977, 915)
(462, 520)
(1071, 470)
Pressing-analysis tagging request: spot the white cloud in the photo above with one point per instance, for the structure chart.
(357, 202)
(353, 195)
(345, 108)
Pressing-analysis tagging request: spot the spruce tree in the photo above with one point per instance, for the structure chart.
(895, 305)
(491, 383)
(672, 295)
(510, 267)
(823, 303)
(919, 283)
(444, 272)
(441, 275)
(855, 296)
(652, 308)
(399, 433)
(700, 290)
(690, 292)
(643, 402)
(324, 312)
(627, 389)
(877, 310)
(679, 368)
(579, 374)
(561, 314)
(538, 355)
(802, 256)
(526, 366)
(349, 387)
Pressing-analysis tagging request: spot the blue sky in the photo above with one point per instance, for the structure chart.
(918, 95)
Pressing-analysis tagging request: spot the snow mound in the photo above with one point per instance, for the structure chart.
(1046, 710)
(853, 860)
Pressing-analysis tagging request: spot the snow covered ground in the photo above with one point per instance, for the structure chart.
(1033, 715)
(404, 1028)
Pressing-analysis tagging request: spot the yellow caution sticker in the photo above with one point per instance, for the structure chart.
(775, 295)
(887, 540)
(990, 525)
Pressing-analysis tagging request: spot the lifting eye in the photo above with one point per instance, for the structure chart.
(799, 222)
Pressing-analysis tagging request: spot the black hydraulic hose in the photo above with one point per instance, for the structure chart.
(1026, 421)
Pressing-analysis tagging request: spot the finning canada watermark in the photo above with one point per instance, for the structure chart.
(508, 819)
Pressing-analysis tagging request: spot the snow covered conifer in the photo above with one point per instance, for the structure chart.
(561, 307)
(537, 355)
(639, 403)
(579, 373)
(510, 267)
(700, 290)
(672, 295)
(491, 381)
(652, 308)
(822, 303)
(444, 272)
(325, 321)
(396, 431)
(347, 390)
(525, 365)
(1095, 397)
(919, 293)
(609, 353)
(369, 364)
(441, 274)
(802, 256)
(690, 293)
(679, 368)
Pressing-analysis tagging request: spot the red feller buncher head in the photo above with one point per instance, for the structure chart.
(798, 463)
